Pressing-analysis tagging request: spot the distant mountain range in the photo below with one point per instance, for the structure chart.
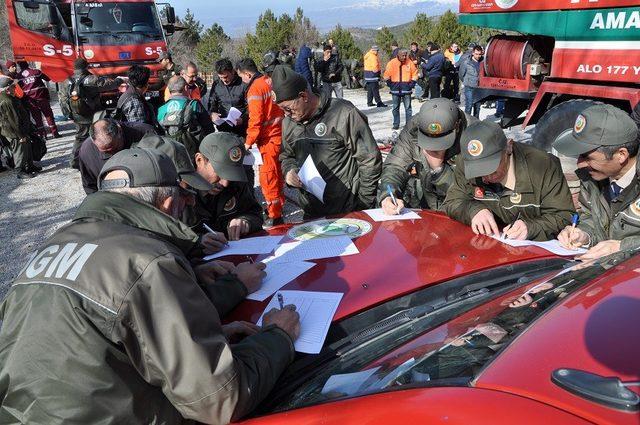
(378, 13)
(368, 14)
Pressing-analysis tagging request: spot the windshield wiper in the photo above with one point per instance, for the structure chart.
(407, 316)
(112, 33)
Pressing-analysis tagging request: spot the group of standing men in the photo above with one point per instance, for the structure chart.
(24, 99)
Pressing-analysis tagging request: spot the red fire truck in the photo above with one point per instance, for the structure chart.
(111, 34)
(567, 55)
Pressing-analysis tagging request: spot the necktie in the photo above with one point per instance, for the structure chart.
(615, 190)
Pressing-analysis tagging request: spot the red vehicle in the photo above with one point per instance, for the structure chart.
(111, 34)
(438, 325)
(568, 55)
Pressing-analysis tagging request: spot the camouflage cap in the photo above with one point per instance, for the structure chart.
(225, 151)
(482, 144)
(180, 157)
(597, 125)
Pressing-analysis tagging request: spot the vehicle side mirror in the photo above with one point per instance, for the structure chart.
(171, 15)
(608, 391)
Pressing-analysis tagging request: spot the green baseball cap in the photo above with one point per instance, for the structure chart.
(225, 151)
(482, 144)
(597, 125)
(180, 157)
(438, 121)
(145, 167)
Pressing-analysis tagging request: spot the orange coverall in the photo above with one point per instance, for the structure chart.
(265, 130)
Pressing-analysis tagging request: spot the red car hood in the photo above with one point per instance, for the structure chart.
(396, 258)
(594, 330)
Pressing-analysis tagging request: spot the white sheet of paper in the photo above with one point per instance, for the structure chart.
(551, 246)
(232, 118)
(347, 383)
(311, 179)
(254, 157)
(378, 215)
(248, 246)
(278, 275)
(316, 311)
(315, 249)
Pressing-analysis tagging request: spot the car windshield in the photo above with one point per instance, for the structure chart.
(443, 335)
(117, 23)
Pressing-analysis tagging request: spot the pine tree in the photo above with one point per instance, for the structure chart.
(193, 28)
(419, 31)
(448, 30)
(384, 38)
(345, 42)
(210, 47)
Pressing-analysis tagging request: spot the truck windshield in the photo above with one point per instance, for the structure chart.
(117, 23)
(443, 335)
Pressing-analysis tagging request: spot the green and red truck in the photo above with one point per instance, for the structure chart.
(557, 58)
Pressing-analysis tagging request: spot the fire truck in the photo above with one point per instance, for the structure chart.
(557, 58)
(111, 35)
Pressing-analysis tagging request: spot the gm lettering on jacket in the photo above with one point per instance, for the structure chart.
(59, 262)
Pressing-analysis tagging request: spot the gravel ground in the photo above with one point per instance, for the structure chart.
(32, 210)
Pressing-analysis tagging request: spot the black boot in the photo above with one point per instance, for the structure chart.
(25, 174)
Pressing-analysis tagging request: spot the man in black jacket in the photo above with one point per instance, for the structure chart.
(330, 69)
(132, 106)
(228, 92)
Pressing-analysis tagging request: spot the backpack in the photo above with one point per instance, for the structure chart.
(177, 124)
(78, 102)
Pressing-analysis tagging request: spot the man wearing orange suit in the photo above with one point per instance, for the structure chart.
(265, 130)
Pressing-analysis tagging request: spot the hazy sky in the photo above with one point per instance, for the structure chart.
(236, 14)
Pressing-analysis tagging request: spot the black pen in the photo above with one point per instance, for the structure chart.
(280, 300)
(504, 234)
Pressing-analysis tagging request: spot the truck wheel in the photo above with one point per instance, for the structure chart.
(557, 121)
(554, 123)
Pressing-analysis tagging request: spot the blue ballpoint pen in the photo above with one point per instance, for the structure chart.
(393, 198)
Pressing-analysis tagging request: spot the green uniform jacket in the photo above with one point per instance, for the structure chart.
(408, 173)
(541, 195)
(339, 140)
(15, 122)
(107, 324)
(619, 220)
(235, 201)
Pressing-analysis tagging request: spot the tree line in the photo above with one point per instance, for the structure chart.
(272, 32)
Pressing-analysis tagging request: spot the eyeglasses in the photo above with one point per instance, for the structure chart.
(288, 109)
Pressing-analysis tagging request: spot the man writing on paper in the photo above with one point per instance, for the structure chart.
(417, 169)
(336, 136)
(605, 141)
(230, 208)
(497, 181)
(118, 329)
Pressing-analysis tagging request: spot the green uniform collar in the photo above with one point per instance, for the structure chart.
(123, 209)
(523, 179)
(323, 103)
